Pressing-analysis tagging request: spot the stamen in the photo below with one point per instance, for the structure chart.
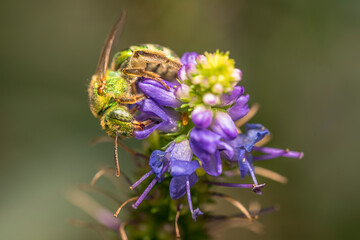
(177, 231)
(123, 205)
(235, 185)
(235, 203)
(145, 193)
(95, 226)
(254, 209)
(104, 192)
(99, 174)
(185, 118)
(270, 174)
(275, 151)
(141, 180)
(122, 231)
(257, 188)
(263, 141)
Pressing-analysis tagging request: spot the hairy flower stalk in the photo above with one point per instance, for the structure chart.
(192, 137)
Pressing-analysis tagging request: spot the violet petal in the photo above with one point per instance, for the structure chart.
(224, 126)
(203, 140)
(189, 57)
(183, 168)
(157, 163)
(159, 93)
(212, 164)
(177, 186)
(231, 97)
(240, 109)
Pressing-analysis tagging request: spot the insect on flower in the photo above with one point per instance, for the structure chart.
(113, 91)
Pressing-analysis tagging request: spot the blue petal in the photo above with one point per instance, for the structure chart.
(224, 126)
(240, 109)
(212, 164)
(243, 166)
(183, 168)
(159, 93)
(254, 133)
(226, 149)
(181, 151)
(157, 162)
(237, 146)
(177, 186)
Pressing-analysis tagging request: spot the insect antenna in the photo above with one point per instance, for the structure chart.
(105, 53)
(116, 155)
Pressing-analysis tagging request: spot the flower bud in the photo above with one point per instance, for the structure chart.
(182, 92)
(210, 99)
(202, 116)
(217, 88)
(237, 74)
(182, 76)
(201, 59)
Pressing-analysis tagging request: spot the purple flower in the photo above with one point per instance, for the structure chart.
(177, 160)
(158, 116)
(207, 145)
(243, 146)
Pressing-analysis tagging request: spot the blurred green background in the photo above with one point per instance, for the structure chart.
(301, 62)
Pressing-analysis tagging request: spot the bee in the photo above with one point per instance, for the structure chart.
(112, 90)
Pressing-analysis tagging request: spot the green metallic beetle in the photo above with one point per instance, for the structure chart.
(112, 90)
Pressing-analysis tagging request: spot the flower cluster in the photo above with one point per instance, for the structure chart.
(199, 112)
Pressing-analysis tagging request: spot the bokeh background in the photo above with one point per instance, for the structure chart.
(301, 62)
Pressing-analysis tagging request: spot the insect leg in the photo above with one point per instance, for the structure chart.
(151, 56)
(141, 72)
(130, 99)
